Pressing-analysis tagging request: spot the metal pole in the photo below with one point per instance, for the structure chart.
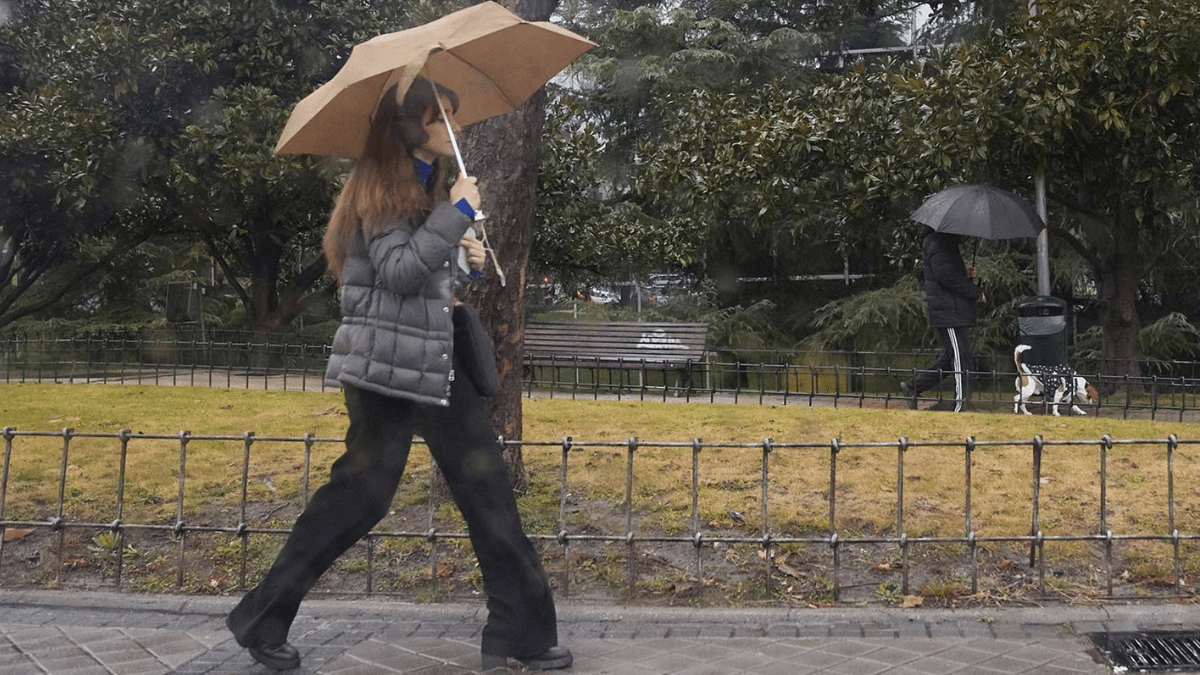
(1043, 243)
(1043, 239)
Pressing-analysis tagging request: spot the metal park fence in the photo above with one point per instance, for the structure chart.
(854, 379)
(1166, 390)
(231, 359)
(803, 523)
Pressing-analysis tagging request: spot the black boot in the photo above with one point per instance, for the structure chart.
(910, 394)
(552, 659)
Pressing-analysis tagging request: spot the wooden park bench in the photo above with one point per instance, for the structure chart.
(623, 347)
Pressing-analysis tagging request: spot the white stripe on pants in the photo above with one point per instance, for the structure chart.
(960, 373)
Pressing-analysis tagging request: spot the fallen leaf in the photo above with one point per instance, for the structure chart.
(912, 601)
(13, 534)
(71, 561)
(789, 570)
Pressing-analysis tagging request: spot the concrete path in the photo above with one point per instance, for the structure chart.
(86, 633)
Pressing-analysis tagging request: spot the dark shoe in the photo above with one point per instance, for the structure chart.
(910, 394)
(279, 657)
(552, 659)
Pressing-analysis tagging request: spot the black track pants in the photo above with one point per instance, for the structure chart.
(521, 616)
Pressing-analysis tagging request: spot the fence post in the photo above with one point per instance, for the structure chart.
(901, 448)
(835, 446)
(1038, 443)
(242, 528)
(1105, 446)
(697, 537)
(563, 541)
(56, 524)
(764, 523)
(8, 433)
(969, 520)
(117, 526)
(309, 439)
(629, 547)
(1172, 444)
(180, 528)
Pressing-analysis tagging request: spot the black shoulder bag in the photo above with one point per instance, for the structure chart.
(473, 348)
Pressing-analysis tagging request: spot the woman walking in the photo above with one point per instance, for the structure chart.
(391, 242)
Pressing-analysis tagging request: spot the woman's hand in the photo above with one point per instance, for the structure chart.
(465, 188)
(476, 255)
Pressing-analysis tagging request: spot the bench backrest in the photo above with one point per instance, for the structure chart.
(633, 342)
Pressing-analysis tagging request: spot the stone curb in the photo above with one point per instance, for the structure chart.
(1065, 618)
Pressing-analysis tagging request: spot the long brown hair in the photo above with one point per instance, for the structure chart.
(383, 189)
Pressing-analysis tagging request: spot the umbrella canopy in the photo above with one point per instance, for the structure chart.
(980, 211)
(489, 56)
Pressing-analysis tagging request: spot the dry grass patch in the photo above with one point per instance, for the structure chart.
(729, 486)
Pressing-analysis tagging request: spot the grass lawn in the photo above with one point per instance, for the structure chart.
(730, 469)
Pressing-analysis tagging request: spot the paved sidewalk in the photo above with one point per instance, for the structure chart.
(85, 633)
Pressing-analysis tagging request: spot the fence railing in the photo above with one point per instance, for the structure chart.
(1167, 390)
(231, 360)
(842, 385)
(862, 521)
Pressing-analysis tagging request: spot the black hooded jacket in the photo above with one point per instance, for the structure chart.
(950, 294)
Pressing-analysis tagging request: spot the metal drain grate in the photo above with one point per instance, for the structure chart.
(1152, 651)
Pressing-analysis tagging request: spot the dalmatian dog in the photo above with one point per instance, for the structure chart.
(1061, 384)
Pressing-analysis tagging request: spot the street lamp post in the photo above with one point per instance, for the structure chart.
(1039, 188)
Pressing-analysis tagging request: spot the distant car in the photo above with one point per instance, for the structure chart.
(664, 285)
(603, 296)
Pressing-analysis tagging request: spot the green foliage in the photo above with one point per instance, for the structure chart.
(1101, 95)
(880, 320)
(134, 120)
(585, 228)
(1171, 338)
(639, 196)
(748, 333)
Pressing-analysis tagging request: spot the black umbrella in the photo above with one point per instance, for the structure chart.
(980, 211)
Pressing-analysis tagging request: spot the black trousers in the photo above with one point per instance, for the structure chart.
(955, 361)
(362, 482)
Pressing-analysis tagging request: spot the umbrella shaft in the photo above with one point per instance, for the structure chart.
(462, 168)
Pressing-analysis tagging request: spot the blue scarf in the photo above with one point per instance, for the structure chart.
(424, 172)
(425, 175)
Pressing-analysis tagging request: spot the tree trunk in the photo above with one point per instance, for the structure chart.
(1119, 277)
(504, 152)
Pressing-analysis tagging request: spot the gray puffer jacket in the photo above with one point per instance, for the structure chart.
(396, 336)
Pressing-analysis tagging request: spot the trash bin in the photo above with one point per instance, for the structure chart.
(1042, 324)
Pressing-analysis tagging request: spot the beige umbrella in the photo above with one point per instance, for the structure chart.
(489, 56)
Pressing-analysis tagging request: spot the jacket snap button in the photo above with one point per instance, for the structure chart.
(446, 310)
(444, 357)
(446, 264)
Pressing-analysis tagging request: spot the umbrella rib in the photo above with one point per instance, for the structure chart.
(495, 84)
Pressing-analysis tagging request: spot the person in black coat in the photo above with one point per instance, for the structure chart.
(951, 295)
